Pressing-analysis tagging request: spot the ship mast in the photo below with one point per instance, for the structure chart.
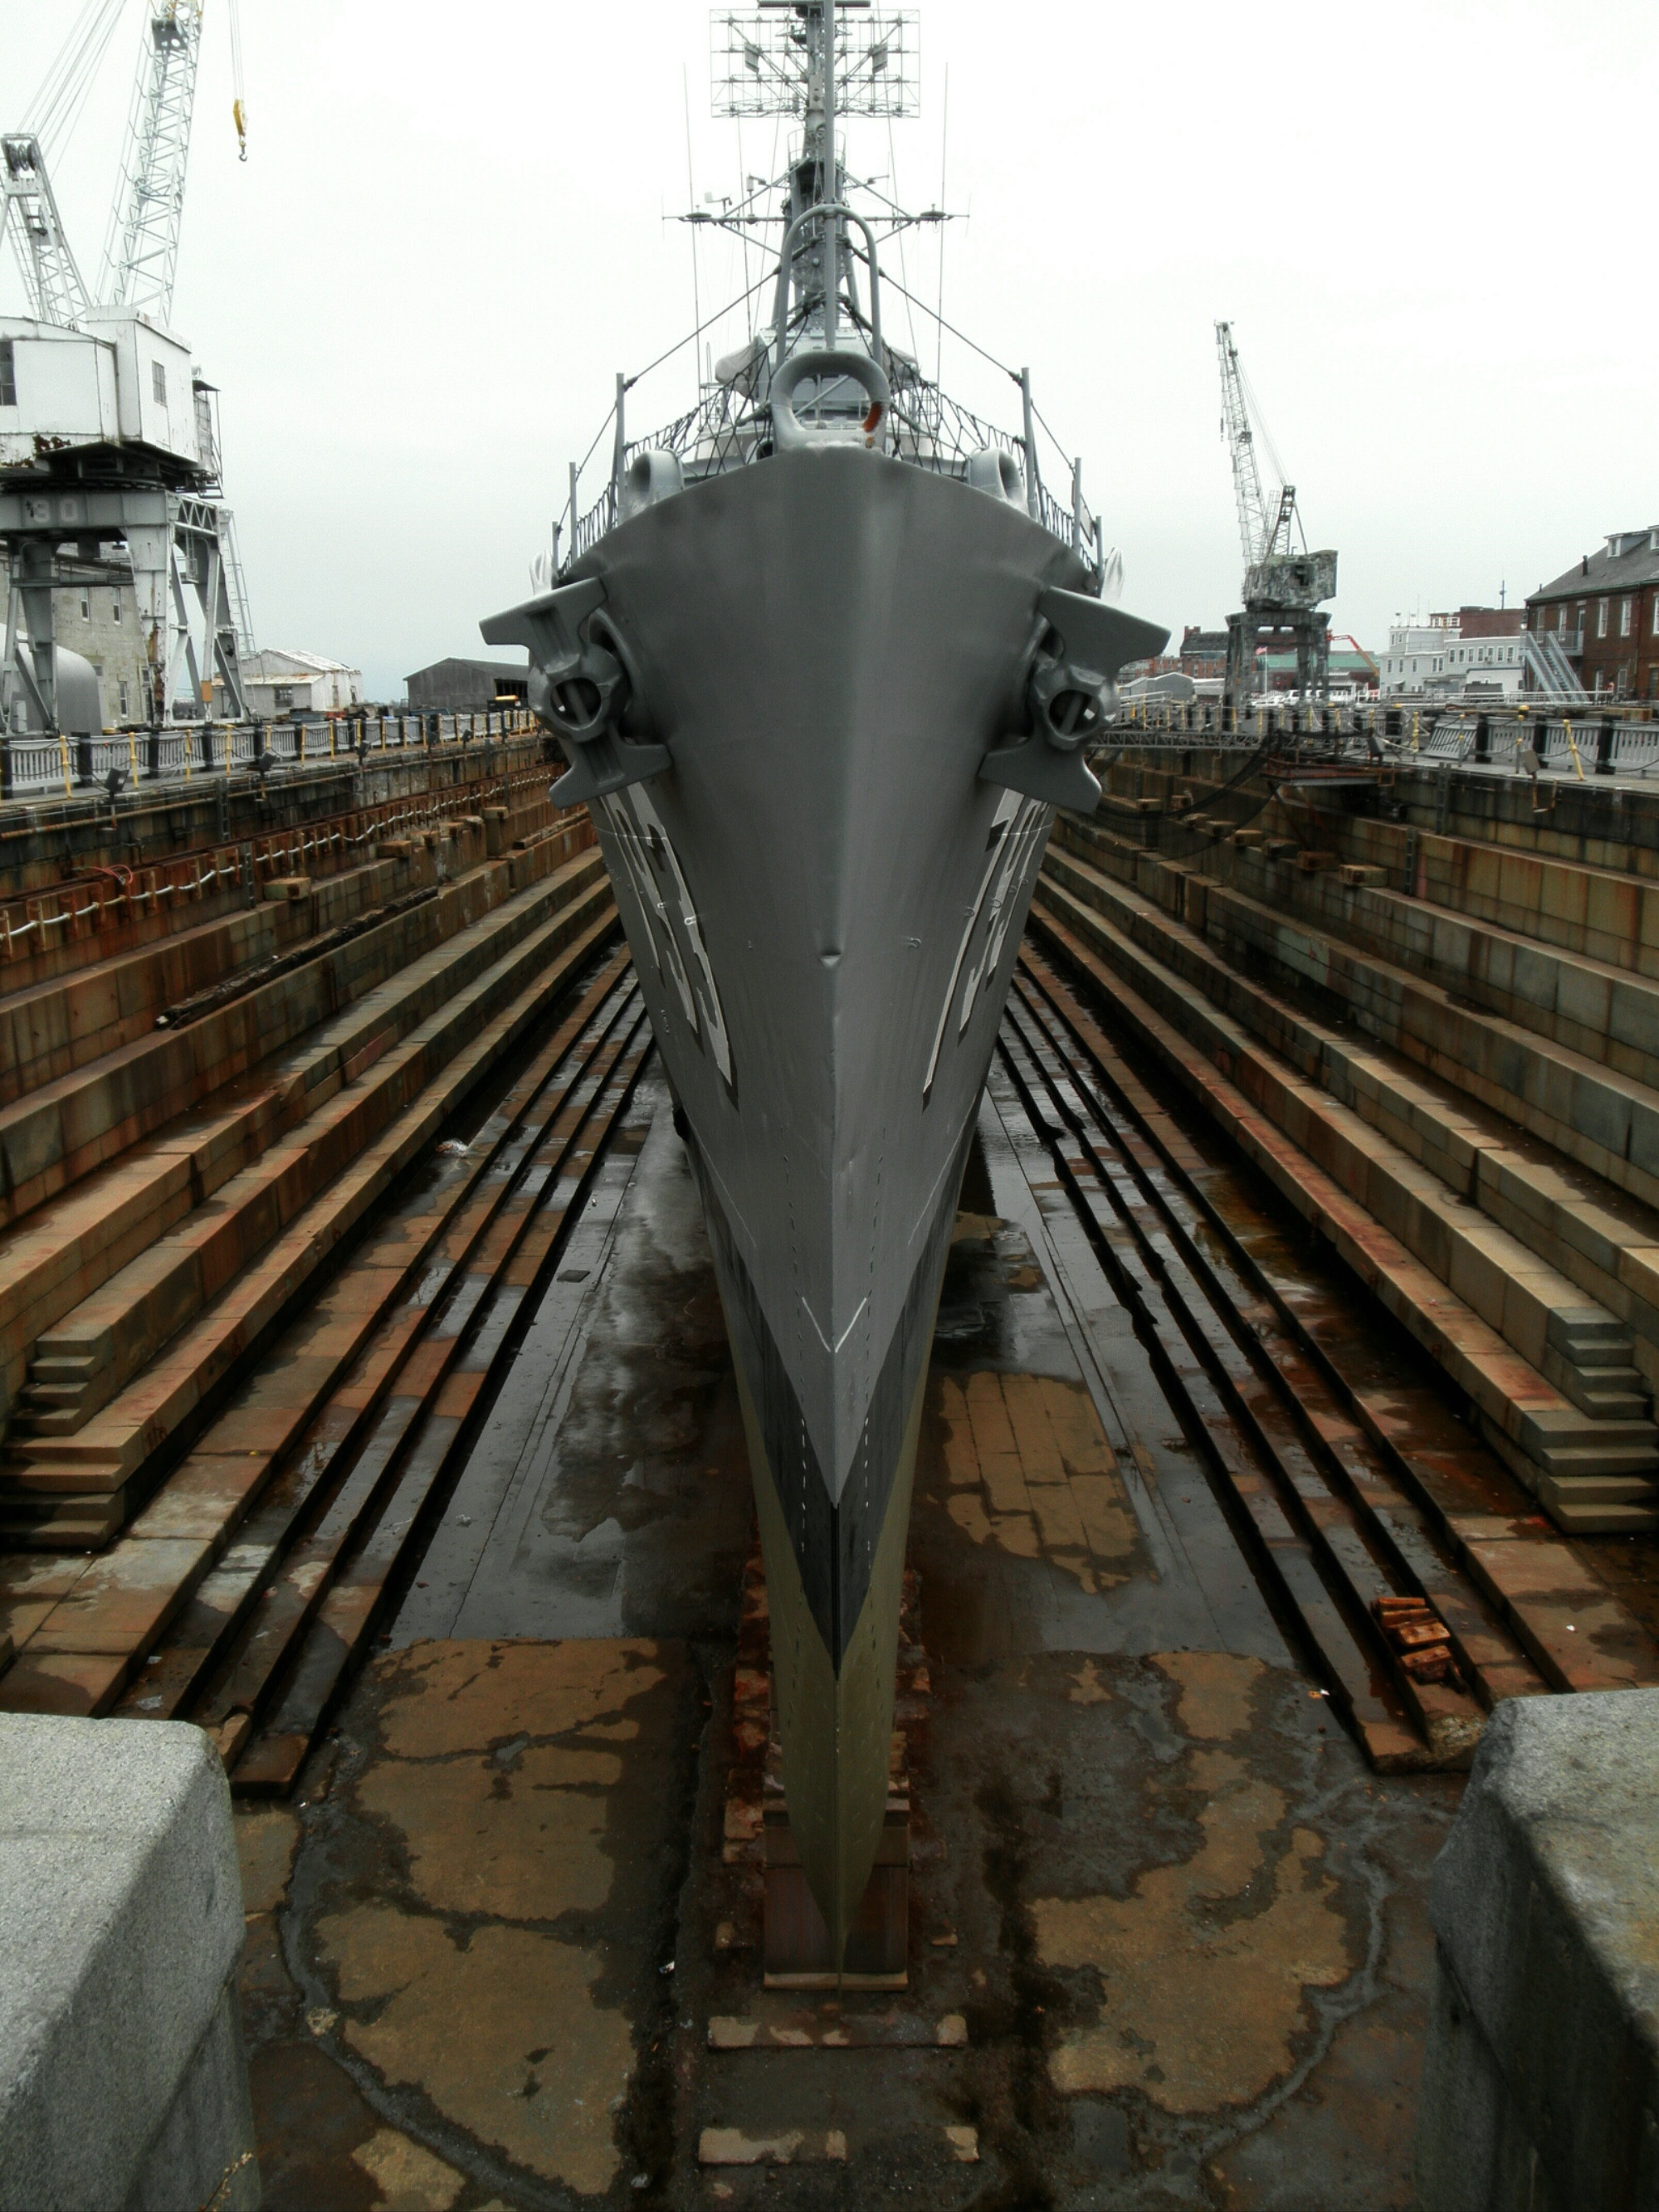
(816, 270)
(829, 174)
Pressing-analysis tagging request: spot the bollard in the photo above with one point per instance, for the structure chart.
(122, 2075)
(1540, 2084)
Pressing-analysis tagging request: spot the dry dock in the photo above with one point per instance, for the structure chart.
(369, 1403)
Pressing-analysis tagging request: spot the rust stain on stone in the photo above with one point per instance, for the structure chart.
(266, 1841)
(484, 1983)
(409, 2178)
(456, 1697)
(1029, 1470)
(463, 2024)
(1204, 1967)
(1215, 1690)
(519, 1843)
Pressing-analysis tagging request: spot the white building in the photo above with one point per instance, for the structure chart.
(278, 683)
(1417, 653)
(1478, 653)
(1492, 665)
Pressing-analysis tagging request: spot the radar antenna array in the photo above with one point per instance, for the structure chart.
(759, 64)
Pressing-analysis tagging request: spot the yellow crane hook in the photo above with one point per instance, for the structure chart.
(238, 112)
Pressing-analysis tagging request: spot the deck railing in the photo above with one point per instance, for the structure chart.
(927, 428)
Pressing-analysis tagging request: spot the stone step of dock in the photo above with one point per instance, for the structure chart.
(211, 1568)
(108, 1338)
(115, 1456)
(1335, 1169)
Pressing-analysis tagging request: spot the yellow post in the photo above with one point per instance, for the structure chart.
(331, 738)
(1415, 711)
(63, 749)
(132, 758)
(1573, 749)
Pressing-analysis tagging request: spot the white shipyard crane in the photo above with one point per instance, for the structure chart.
(51, 278)
(1275, 573)
(1283, 583)
(109, 462)
(141, 253)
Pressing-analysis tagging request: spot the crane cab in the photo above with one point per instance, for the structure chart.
(118, 382)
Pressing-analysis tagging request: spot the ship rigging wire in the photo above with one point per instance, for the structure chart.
(691, 195)
(639, 375)
(762, 284)
(731, 307)
(943, 149)
(974, 347)
(892, 170)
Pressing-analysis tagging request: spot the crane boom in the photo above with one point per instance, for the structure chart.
(1275, 574)
(1252, 524)
(141, 253)
(51, 276)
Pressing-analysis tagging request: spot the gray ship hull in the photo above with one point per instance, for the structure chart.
(824, 902)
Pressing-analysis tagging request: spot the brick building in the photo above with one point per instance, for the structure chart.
(1604, 612)
(1203, 654)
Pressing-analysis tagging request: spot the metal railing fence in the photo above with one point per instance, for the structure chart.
(1514, 742)
(65, 765)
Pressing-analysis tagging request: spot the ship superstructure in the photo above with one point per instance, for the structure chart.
(824, 655)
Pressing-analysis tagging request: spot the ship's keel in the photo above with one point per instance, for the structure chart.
(835, 1569)
(835, 1722)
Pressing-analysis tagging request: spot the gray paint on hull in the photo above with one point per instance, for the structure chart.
(834, 1542)
(829, 642)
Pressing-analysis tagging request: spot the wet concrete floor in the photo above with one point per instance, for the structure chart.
(1173, 1928)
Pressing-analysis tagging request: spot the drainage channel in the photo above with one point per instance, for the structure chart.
(1358, 1498)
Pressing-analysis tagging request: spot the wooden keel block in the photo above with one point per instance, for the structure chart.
(827, 2028)
(794, 2147)
(798, 1954)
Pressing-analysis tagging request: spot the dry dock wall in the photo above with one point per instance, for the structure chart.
(167, 1191)
(122, 2083)
(1540, 2074)
(1462, 1035)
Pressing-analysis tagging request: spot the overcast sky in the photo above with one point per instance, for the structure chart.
(1428, 222)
